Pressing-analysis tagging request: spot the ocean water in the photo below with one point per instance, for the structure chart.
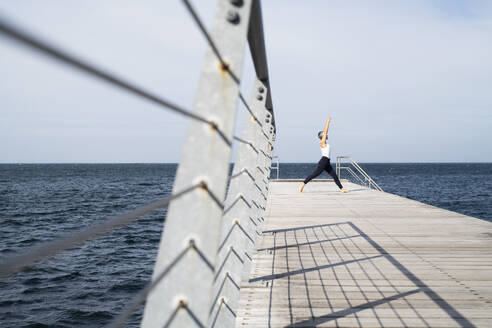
(89, 285)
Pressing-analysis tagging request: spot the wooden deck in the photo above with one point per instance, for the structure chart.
(366, 259)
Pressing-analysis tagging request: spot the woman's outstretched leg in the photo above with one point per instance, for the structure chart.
(333, 174)
(318, 171)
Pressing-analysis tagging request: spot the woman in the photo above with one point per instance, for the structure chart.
(324, 162)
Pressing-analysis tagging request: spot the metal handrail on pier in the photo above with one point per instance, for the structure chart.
(210, 232)
(364, 178)
(275, 167)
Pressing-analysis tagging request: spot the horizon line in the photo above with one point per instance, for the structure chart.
(94, 163)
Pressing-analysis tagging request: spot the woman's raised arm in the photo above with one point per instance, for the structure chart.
(322, 143)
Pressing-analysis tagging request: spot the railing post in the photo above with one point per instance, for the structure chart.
(262, 171)
(337, 168)
(240, 223)
(278, 168)
(182, 298)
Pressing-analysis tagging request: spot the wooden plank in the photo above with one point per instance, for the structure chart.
(366, 259)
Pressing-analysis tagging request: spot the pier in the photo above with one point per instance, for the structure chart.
(366, 259)
(244, 250)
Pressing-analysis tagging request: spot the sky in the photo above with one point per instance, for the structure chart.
(404, 81)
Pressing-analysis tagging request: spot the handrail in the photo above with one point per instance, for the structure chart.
(276, 167)
(209, 235)
(370, 182)
(45, 250)
(352, 173)
(225, 236)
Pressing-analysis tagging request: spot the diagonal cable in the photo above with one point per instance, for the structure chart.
(240, 197)
(266, 155)
(211, 42)
(229, 308)
(45, 250)
(194, 317)
(246, 143)
(202, 256)
(217, 295)
(245, 233)
(224, 261)
(219, 268)
(19, 35)
(266, 137)
(183, 306)
(172, 316)
(242, 140)
(247, 256)
(249, 109)
(226, 237)
(238, 174)
(250, 176)
(142, 295)
(219, 56)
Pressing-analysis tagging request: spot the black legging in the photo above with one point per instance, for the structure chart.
(324, 164)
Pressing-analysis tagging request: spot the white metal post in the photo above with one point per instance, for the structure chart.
(240, 220)
(182, 298)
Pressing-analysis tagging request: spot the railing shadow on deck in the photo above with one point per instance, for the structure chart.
(343, 234)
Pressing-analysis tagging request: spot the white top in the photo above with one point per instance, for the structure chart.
(325, 151)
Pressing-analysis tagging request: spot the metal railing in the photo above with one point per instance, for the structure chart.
(276, 167)
(362, 177)
(206, 246)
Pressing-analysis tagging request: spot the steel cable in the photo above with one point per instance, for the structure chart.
(35, 43)
(210, 42)
(249, 110)
(243, 141)
(217, 53)
(238, 174)
(15, 263)
(142, 295)
(27, 39)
